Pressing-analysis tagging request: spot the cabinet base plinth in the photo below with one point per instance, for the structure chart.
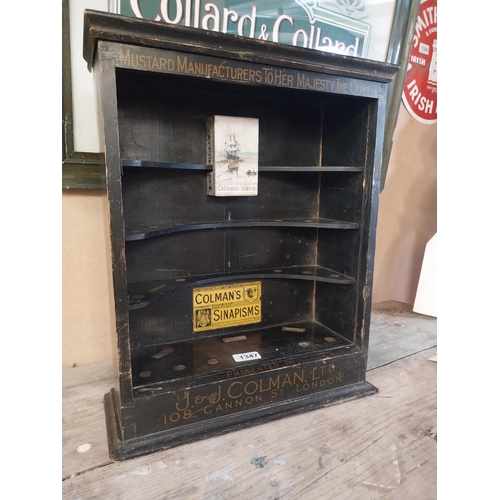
(122, 449)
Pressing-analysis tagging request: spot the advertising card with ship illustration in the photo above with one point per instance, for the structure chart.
(233, 151)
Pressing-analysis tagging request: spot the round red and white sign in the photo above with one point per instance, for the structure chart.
(420, 87)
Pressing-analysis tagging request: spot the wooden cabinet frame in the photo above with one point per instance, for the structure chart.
(306, 242)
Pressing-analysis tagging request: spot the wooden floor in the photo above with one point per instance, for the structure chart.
(379, 447)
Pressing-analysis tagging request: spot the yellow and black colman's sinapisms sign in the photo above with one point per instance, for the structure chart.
(226, 305)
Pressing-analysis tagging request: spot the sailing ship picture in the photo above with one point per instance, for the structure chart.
(232, 151)
(232, 148)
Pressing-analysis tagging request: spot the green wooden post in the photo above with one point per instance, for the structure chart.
(403, 26)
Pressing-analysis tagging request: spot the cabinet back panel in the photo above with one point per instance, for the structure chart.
(341, 196)
(170, 319)
(206, 252)
(339, 250)
(345, 131)
(169, 197)
(163, 119)
(336, 308)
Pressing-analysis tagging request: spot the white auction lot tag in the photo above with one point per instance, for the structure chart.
(246, 356)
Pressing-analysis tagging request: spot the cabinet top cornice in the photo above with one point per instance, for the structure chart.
(146, 33)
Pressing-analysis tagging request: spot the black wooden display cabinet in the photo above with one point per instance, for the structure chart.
(307, 239)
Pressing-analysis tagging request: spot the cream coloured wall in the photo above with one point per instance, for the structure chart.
(86, 299)
(407, 211)
(407, 220)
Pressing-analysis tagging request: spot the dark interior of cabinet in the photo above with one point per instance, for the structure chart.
(162, 118)
(300, 236)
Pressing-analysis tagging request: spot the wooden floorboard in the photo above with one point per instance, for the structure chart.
(83, 417)
(379, 447)
(396, 331)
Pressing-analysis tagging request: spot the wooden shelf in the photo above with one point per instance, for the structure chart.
(141, 294)
(208, 168)
(164, 165)
(313, 168)
(164, 365)
(151, 231)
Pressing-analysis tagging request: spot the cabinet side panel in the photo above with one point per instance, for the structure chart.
(376, 124)
(108, 245)
(107, 94)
